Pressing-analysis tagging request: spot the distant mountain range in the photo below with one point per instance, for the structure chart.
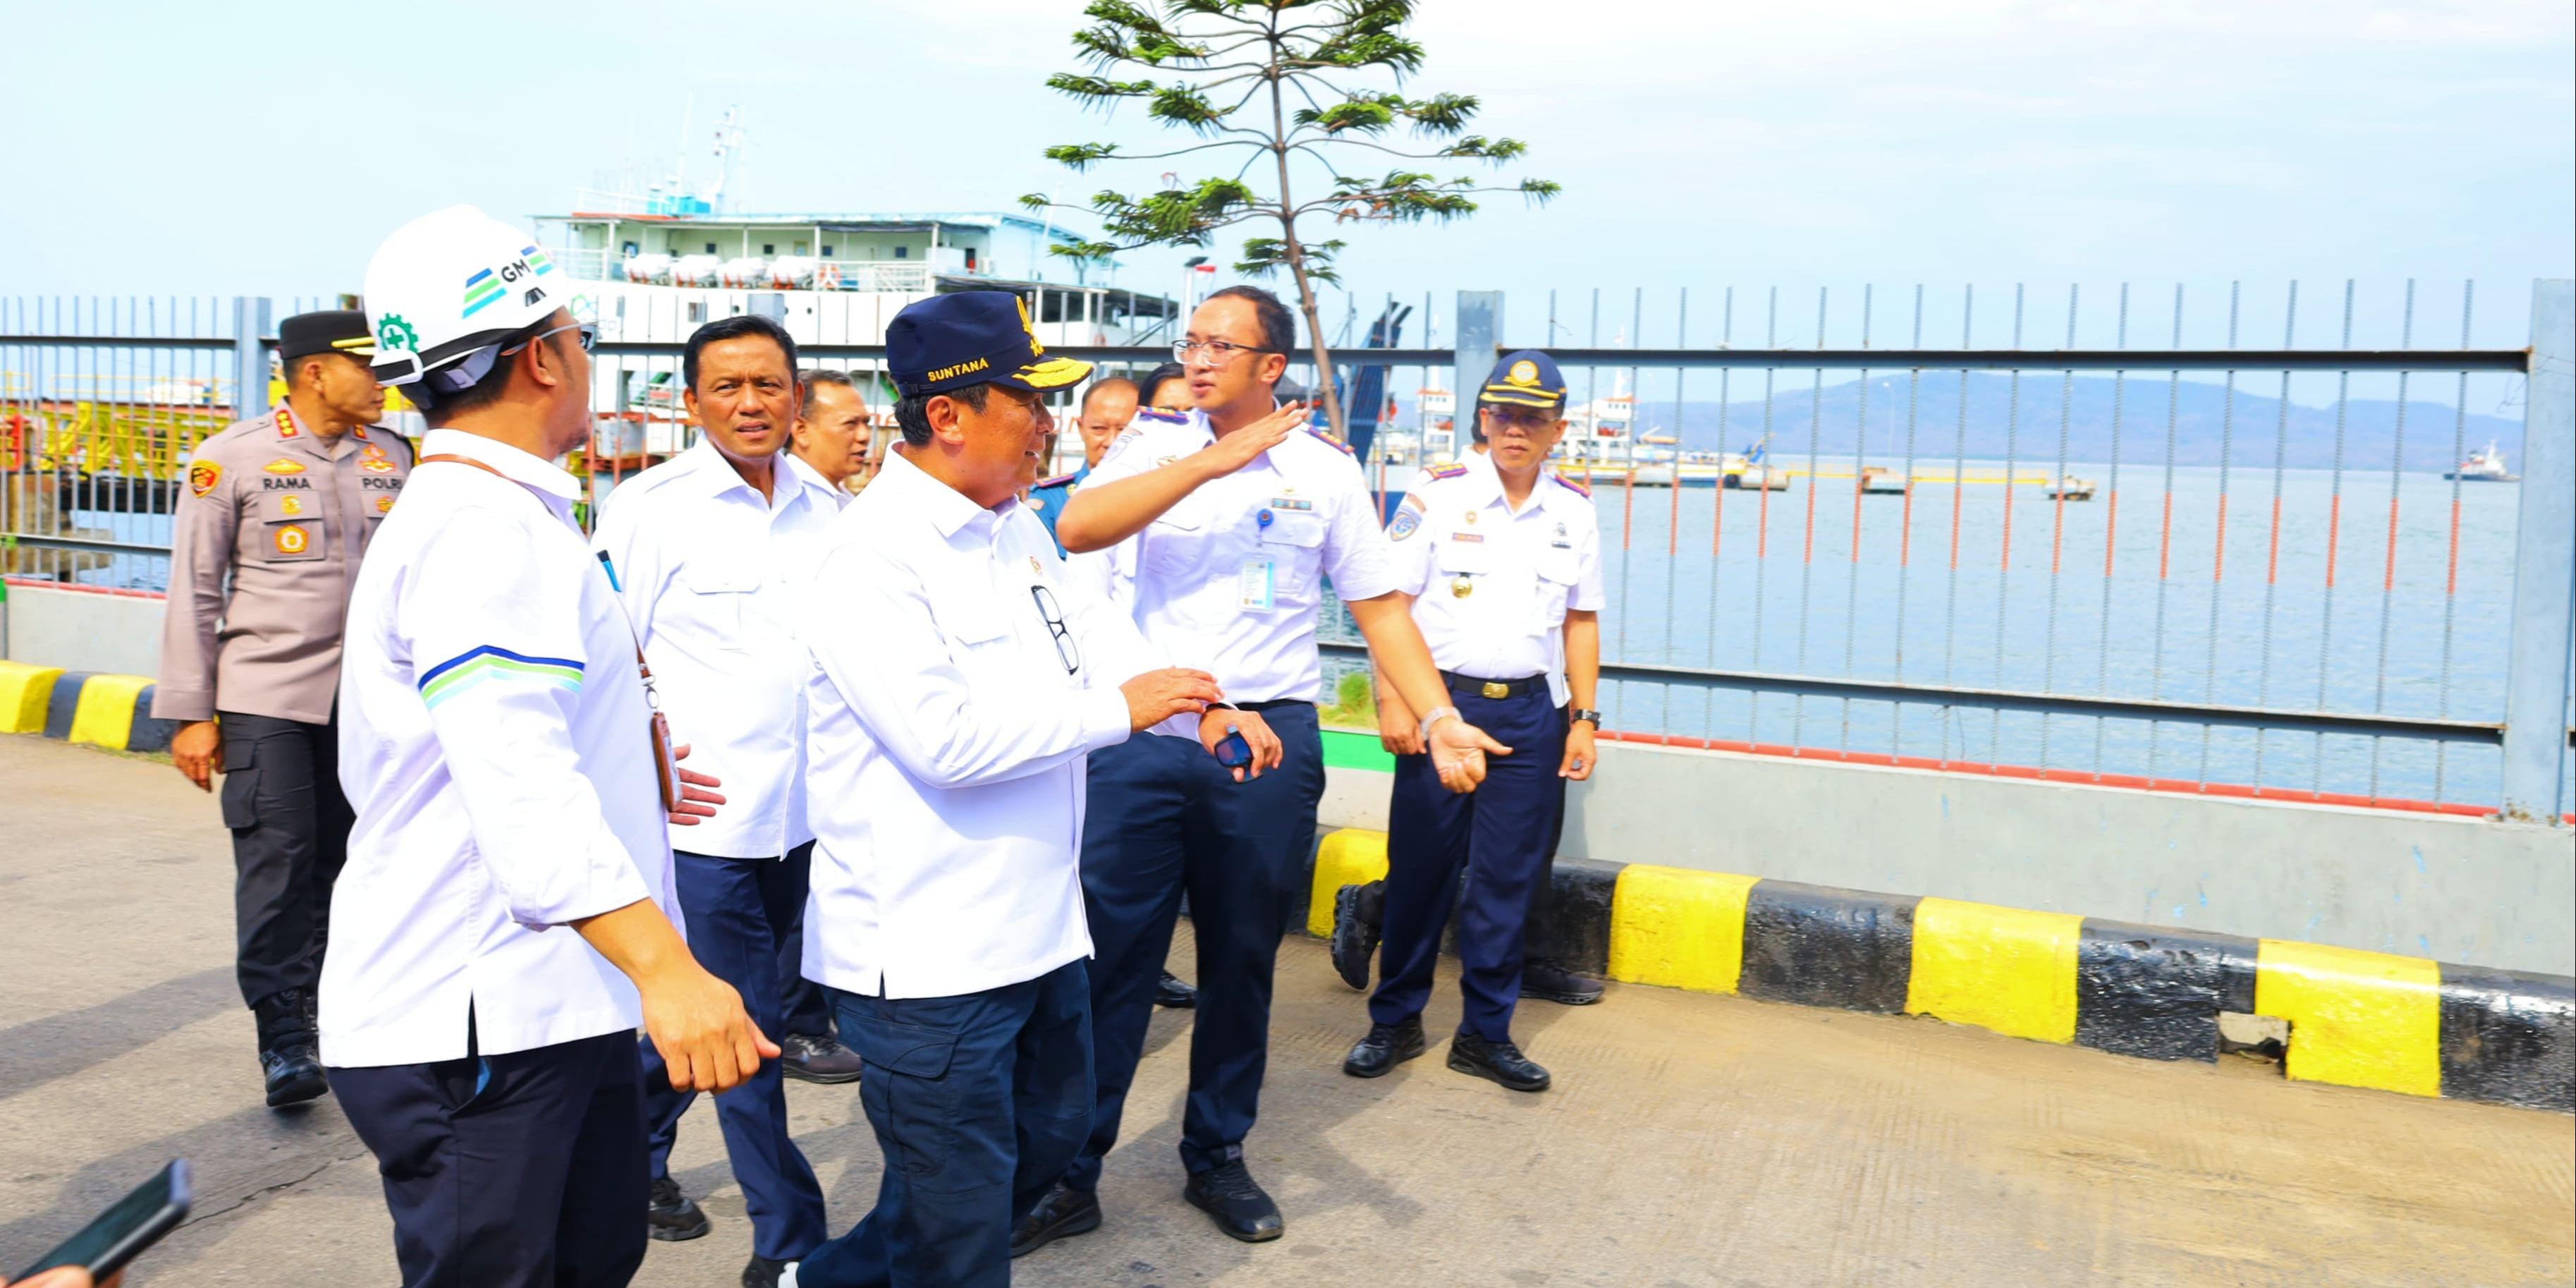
(2199, 414)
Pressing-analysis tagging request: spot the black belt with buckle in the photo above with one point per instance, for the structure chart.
(1479, 686)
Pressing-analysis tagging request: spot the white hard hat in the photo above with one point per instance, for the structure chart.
(450, 285)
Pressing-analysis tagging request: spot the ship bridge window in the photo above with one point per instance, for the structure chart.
(711, 248)
(827, 250)
(769, 248)
(903, 252)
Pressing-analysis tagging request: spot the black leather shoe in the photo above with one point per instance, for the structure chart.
(1236, 1202)
(764, 1273)
(1358, 911)
(292, 1074)
(1386, 1046)
(1171, 994)
(817, 1057)
(1547, 983)
(670, 1216)
(1500, 1061)
(1063, 1213)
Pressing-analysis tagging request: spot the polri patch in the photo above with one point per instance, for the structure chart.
(203, 476)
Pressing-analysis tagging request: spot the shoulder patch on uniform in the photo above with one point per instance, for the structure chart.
(1326, 437)
(203, 475)
(1447, 471)
(1577, 488)
(1060, 480)
(1406, 522)
(1159, 415)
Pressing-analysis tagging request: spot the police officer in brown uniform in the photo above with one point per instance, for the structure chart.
(268, 534)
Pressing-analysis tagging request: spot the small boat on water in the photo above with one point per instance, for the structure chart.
(2483, 466)
(2071, 488)
(1878, 480)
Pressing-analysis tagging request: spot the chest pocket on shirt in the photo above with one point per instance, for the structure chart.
(1557, 573)
(290, 527)
(720, 595)
(1294, 541)
(1176, 541)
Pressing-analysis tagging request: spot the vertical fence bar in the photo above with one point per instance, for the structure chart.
(2057, 527)
(2334, 530)
(1860, 458)
(1905, 534)
(1958, 501)
(2110, 527)
(2164, 539)
(2003, 566)
(2272, 553)
(1717, 507)
(1807, 544)
(1762, 511)
(2451, 574)
(2544, 565)
(2218, 556)
(2388, 571)
(250, 359)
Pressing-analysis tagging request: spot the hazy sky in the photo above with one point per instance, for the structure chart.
(191, 148)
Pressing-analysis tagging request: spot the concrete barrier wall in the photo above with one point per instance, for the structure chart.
(80, 630)
(2456, 889)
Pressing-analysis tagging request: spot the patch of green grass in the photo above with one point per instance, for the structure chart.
(1354, 704)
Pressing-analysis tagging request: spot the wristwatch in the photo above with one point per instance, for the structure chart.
(1436, 715)
(1584, 715)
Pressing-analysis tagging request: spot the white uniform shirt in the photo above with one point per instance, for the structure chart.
(495, 742)
(1218, 587)
(796, 464)
(1491, 587)
(948, 741)
(710, 572)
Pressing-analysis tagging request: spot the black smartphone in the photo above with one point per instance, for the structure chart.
(1234, 752)
(128, 1226)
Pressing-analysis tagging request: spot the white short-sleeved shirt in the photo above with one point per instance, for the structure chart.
(710, 572)
(957, 683)
(1230, 579)
(496, 744)
(1491, 586)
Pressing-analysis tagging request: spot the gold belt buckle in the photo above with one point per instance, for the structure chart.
(1497, 689)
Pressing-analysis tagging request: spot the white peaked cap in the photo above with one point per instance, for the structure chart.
(452, 282)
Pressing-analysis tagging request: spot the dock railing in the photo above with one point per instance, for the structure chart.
(2267, 586)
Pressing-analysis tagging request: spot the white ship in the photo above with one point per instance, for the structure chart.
(2483, 466)
(653, 266)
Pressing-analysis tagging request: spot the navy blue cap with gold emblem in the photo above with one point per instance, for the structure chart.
(1526, 378)
(972, 338)
(329, 331)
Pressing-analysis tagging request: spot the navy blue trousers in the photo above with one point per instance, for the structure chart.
(509, 1171)
(1495, 842)
(978, 1101)
(1163, 817)
(801, 1008)
(737, 910)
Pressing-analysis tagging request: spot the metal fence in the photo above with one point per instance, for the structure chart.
(2200, 566)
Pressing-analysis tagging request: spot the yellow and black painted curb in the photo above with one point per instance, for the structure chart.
(2358, 1019)
(103, 710)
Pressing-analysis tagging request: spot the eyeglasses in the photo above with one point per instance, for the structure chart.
(1532, 423)
(589, 336)
(1218, 352)
(1066, 651)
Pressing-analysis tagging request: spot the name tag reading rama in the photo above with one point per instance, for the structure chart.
(1255, 586)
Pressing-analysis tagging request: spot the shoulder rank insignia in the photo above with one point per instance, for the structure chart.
(1568, 480)
(1448, 471)
(1160, 416)
(1060, 480)
(1326, 436)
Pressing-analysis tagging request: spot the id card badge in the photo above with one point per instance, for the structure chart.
(1254, 586)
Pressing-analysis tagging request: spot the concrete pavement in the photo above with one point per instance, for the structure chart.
(1691, 1140)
